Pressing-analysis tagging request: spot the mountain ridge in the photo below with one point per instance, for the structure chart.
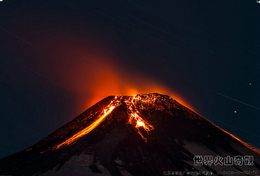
(124, 129)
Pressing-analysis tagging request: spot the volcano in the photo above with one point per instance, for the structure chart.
(145, 134)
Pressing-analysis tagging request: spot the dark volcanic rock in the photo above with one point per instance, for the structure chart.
(118, 147)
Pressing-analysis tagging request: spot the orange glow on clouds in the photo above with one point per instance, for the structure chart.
(90, 71)
(104, 77)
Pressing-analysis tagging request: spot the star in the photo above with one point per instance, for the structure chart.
(250, 84)
(235, 111)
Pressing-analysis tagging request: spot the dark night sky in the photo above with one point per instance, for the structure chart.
(57, 55)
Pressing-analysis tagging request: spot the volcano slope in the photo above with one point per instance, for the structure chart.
(146, 134)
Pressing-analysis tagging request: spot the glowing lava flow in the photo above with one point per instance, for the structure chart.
(135, 118)
(135, 106)
(139, 123)
(86, 130)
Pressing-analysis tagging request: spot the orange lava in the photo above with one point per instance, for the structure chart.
(88, 129)
(142, 126)
(134, 119)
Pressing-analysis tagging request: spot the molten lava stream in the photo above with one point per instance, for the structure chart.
(89, 128)
(139, 123)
